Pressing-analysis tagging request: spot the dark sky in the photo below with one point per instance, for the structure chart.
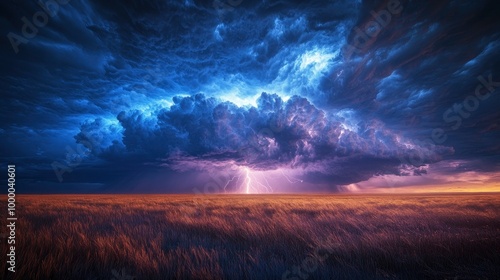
(250, 96)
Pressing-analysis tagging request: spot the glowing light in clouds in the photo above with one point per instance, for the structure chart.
(249, 181)
(255, 182)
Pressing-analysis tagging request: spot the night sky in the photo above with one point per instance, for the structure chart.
(250, 96)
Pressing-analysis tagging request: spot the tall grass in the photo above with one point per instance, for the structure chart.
(257, 236)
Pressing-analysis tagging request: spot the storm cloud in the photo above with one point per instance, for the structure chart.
(292, 134)
(338, 92)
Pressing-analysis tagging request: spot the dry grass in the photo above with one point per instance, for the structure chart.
(454, 236)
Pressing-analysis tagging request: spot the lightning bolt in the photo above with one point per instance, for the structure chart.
(230, 180)
(256, 182)
(248, 180)
(290, 179)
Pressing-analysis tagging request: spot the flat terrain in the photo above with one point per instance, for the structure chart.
(438, 236)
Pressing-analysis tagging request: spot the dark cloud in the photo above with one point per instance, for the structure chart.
(292, 134)
(176, 85)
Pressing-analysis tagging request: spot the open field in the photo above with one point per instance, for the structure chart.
(438, 236)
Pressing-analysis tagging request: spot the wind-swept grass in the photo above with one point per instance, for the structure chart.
(257, 236)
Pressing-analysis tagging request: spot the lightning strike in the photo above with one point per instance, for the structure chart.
(250, 181)
(291, 179)
(230, 180)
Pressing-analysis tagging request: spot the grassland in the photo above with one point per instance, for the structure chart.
(438, 236)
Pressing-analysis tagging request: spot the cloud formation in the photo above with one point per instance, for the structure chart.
(292, 134)
(167, 87)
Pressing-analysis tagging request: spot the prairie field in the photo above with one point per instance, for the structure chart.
(379, 236)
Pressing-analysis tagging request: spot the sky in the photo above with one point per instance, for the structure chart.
(243, 96)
